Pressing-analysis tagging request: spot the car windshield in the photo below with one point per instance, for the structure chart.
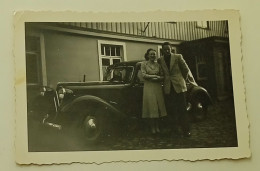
(119, 74)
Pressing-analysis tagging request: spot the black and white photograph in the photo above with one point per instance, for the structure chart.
(129, 86)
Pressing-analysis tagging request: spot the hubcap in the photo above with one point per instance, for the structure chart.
(91, 127)
(199, 105)
(199, 111)
(91, 123)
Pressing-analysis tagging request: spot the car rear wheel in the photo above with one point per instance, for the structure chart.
(199, 111)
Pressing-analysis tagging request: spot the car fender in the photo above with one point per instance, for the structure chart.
(199, 91)
(41, 105)
(91, 100)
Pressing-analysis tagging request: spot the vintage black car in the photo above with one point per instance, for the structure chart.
(95, 109)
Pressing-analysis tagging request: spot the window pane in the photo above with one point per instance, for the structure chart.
(107, 50)
(104, 70)
(102, 50)
(105, 62)
(31, 68)
(118, 51)
(161, 52)
(113, 51)
(202, 69)
(116, 61)
(32, 44)
(201, 59)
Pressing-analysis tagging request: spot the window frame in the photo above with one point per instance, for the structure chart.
(42, 73)
(100, 56)
(203, 62)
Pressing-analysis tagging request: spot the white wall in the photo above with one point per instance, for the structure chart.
(70, 57)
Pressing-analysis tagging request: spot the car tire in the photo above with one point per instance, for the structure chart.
(92, 126)
(88, 125)
(200, 109)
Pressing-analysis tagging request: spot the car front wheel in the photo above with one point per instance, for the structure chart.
(92, 128)
(88, 125)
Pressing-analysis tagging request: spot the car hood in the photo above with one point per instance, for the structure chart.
(89, 83)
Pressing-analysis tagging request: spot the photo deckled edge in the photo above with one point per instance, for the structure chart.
(21, 143)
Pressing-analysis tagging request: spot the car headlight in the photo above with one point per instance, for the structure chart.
(42, 91)
(61, 93)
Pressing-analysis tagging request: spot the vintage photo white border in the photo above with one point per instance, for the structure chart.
(193, 154)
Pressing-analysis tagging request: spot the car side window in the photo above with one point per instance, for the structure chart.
(119, 74)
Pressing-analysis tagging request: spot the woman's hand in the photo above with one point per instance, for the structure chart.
(153, 76)
(157, 78)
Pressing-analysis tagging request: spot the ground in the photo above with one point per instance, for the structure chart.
(217, 130)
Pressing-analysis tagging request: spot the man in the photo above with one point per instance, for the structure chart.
(176, 72)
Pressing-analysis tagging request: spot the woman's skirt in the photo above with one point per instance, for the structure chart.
(153, 100)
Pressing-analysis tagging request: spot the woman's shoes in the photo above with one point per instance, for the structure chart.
(155, 130)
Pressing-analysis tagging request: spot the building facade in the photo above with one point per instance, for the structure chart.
(78, 52)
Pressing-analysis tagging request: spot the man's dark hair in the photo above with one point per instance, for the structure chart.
(166, 44)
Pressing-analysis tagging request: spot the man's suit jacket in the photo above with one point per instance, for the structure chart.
(177, 74)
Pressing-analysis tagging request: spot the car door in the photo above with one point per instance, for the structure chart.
(135, 97)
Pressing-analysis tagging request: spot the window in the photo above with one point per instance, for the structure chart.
(33, 65)
(201, 67)
(202, 24)
(35, 60)
(110, 53)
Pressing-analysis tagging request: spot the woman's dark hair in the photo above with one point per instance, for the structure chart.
(147, 53)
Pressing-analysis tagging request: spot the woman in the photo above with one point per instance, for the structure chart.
(153, 101)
